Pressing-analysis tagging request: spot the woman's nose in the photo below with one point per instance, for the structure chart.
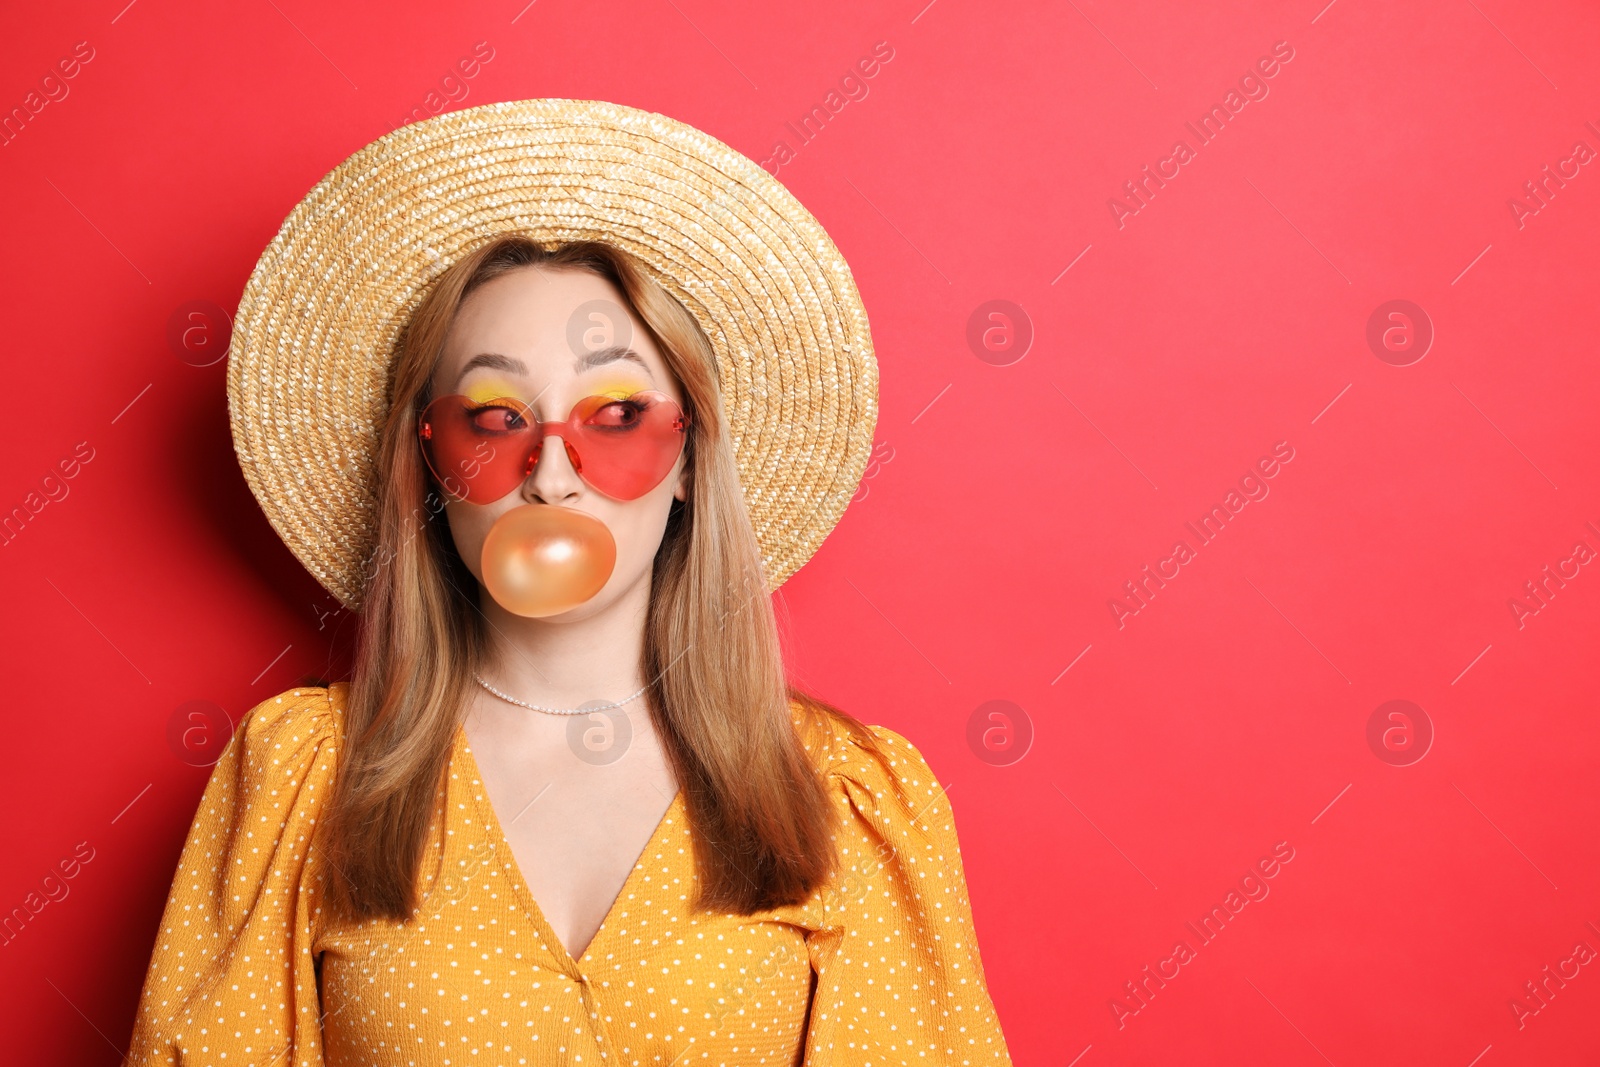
(555, 473)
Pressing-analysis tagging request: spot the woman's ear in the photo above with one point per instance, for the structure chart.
(680, 488)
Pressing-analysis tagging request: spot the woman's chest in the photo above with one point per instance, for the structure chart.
(480, 986)
(577, 802)
(479, 975)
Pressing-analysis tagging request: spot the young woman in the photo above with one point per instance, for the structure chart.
(567, 809)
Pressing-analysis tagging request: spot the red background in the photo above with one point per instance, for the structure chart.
(1010, 503)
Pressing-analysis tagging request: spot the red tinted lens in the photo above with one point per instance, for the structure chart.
(478, 451)
(625, 447)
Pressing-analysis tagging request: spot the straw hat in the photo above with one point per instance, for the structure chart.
(317, 324)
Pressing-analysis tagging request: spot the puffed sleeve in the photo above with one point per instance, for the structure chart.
(899, 978)
(232, 979)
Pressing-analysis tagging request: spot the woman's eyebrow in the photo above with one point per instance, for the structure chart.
(495, 360)
(588, 361)
(601, 356)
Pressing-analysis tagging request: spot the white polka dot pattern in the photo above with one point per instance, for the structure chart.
(879, 967)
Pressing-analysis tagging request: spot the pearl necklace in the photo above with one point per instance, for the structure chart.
(555, 711)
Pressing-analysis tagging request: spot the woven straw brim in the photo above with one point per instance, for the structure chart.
(316, 328)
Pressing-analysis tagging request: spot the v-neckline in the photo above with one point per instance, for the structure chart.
(499, 841)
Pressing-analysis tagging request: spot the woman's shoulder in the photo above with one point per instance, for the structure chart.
(244, 913)
(897, 827)
(283, 733)
(845, 749)
(304, 709)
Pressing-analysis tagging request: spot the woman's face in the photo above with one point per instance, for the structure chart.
(551, 338)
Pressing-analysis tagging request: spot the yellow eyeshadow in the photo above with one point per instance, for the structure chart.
(616, 388)
(485, 389)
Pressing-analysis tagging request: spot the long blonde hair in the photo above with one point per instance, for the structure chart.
(761, 819)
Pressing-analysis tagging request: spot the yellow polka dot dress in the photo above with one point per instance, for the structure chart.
(879, 967)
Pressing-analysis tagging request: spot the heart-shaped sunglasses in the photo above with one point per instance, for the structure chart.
(481, 450)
